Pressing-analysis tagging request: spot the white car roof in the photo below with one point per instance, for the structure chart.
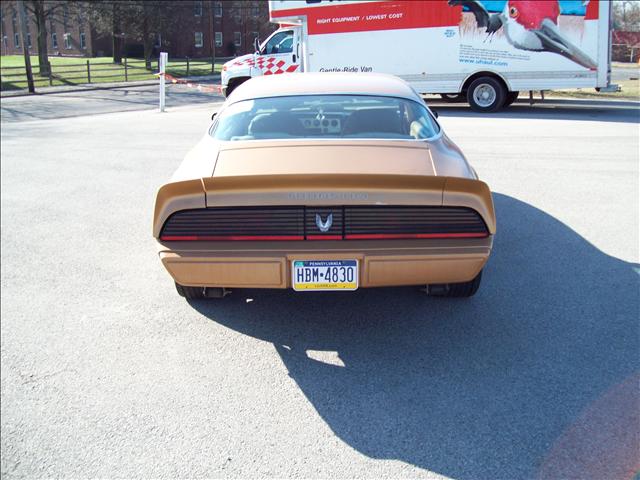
(323, 84)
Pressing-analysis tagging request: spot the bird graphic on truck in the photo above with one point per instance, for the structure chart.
(532, 25)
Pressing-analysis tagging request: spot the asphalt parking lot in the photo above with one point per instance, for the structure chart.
(107, 372)
(79, 103)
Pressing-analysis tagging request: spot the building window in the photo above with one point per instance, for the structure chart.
(67, 41)
(255, 11)
(83, 41)
(197, 9)
(16, 40)
(29, 40)
(217, 10)
(199, 41)
(218, 39)
(54, 40)
(237, 39)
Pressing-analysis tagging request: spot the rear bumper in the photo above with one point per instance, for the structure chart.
(268, 265)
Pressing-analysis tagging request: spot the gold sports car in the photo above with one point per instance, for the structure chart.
(324, 182)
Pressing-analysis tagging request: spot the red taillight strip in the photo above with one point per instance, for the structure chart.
(178, 237)
(324, 237)
(229, 237)
(395, 236)
(353, 236)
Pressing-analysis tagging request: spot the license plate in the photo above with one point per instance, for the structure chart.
(325, 274)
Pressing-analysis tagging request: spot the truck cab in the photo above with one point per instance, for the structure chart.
(279, 53)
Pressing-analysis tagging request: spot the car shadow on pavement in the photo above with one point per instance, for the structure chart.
(532, 377)
(552, 109)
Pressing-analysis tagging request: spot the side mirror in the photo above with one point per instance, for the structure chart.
(435, 113)
(213, 116)
(256, 44)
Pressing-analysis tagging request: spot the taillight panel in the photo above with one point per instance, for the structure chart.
(297, 223)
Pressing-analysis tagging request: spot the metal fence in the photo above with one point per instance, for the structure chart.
(625, 53)
(14, 78)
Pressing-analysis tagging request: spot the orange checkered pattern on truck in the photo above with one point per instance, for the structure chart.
(269, 65)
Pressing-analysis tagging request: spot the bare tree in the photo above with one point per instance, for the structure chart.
(134, 20)
(626, 15)
(247, 15)
(106, 17)
(116, 33)
(25, 49)
(42, 11)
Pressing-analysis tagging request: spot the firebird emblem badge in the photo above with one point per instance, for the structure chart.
(326, 225)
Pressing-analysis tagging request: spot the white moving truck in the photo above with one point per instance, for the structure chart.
(482, 51)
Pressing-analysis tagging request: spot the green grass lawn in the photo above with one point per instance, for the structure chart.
(630, 90)
(625, 65)
(73, 70)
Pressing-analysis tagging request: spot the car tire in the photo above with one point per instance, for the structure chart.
(453, 97)
(510, 98)
(486, 94)
(190, 293)
(456, 290)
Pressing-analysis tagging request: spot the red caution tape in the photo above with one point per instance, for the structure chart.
(199, 86)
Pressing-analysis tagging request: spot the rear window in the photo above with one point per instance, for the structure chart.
(325, 116)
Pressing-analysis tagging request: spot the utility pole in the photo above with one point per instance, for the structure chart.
(25, 46)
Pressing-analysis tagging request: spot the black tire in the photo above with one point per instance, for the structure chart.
(486, 94)
(453, 97)
(190, 293)
(458, 290)
(510, 98)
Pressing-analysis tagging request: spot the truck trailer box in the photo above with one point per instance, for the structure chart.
(484, 50)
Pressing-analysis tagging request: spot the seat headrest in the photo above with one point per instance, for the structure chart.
(373, 120)
(276, 122)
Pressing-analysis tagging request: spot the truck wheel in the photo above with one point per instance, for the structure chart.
(510, 98)
(453, 97)
(486, 94)
(190, 293)
(456, 290)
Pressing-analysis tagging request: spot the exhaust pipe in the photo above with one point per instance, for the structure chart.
(437, 289)
(216, 292)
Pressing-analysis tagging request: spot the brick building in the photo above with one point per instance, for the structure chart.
(229, 27)
(207, 27)
(68, 33)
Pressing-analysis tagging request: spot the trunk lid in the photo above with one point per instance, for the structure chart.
(329, 156)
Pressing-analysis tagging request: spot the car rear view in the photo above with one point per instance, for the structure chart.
(324, 183)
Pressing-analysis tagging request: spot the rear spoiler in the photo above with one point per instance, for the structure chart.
(324, 189)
